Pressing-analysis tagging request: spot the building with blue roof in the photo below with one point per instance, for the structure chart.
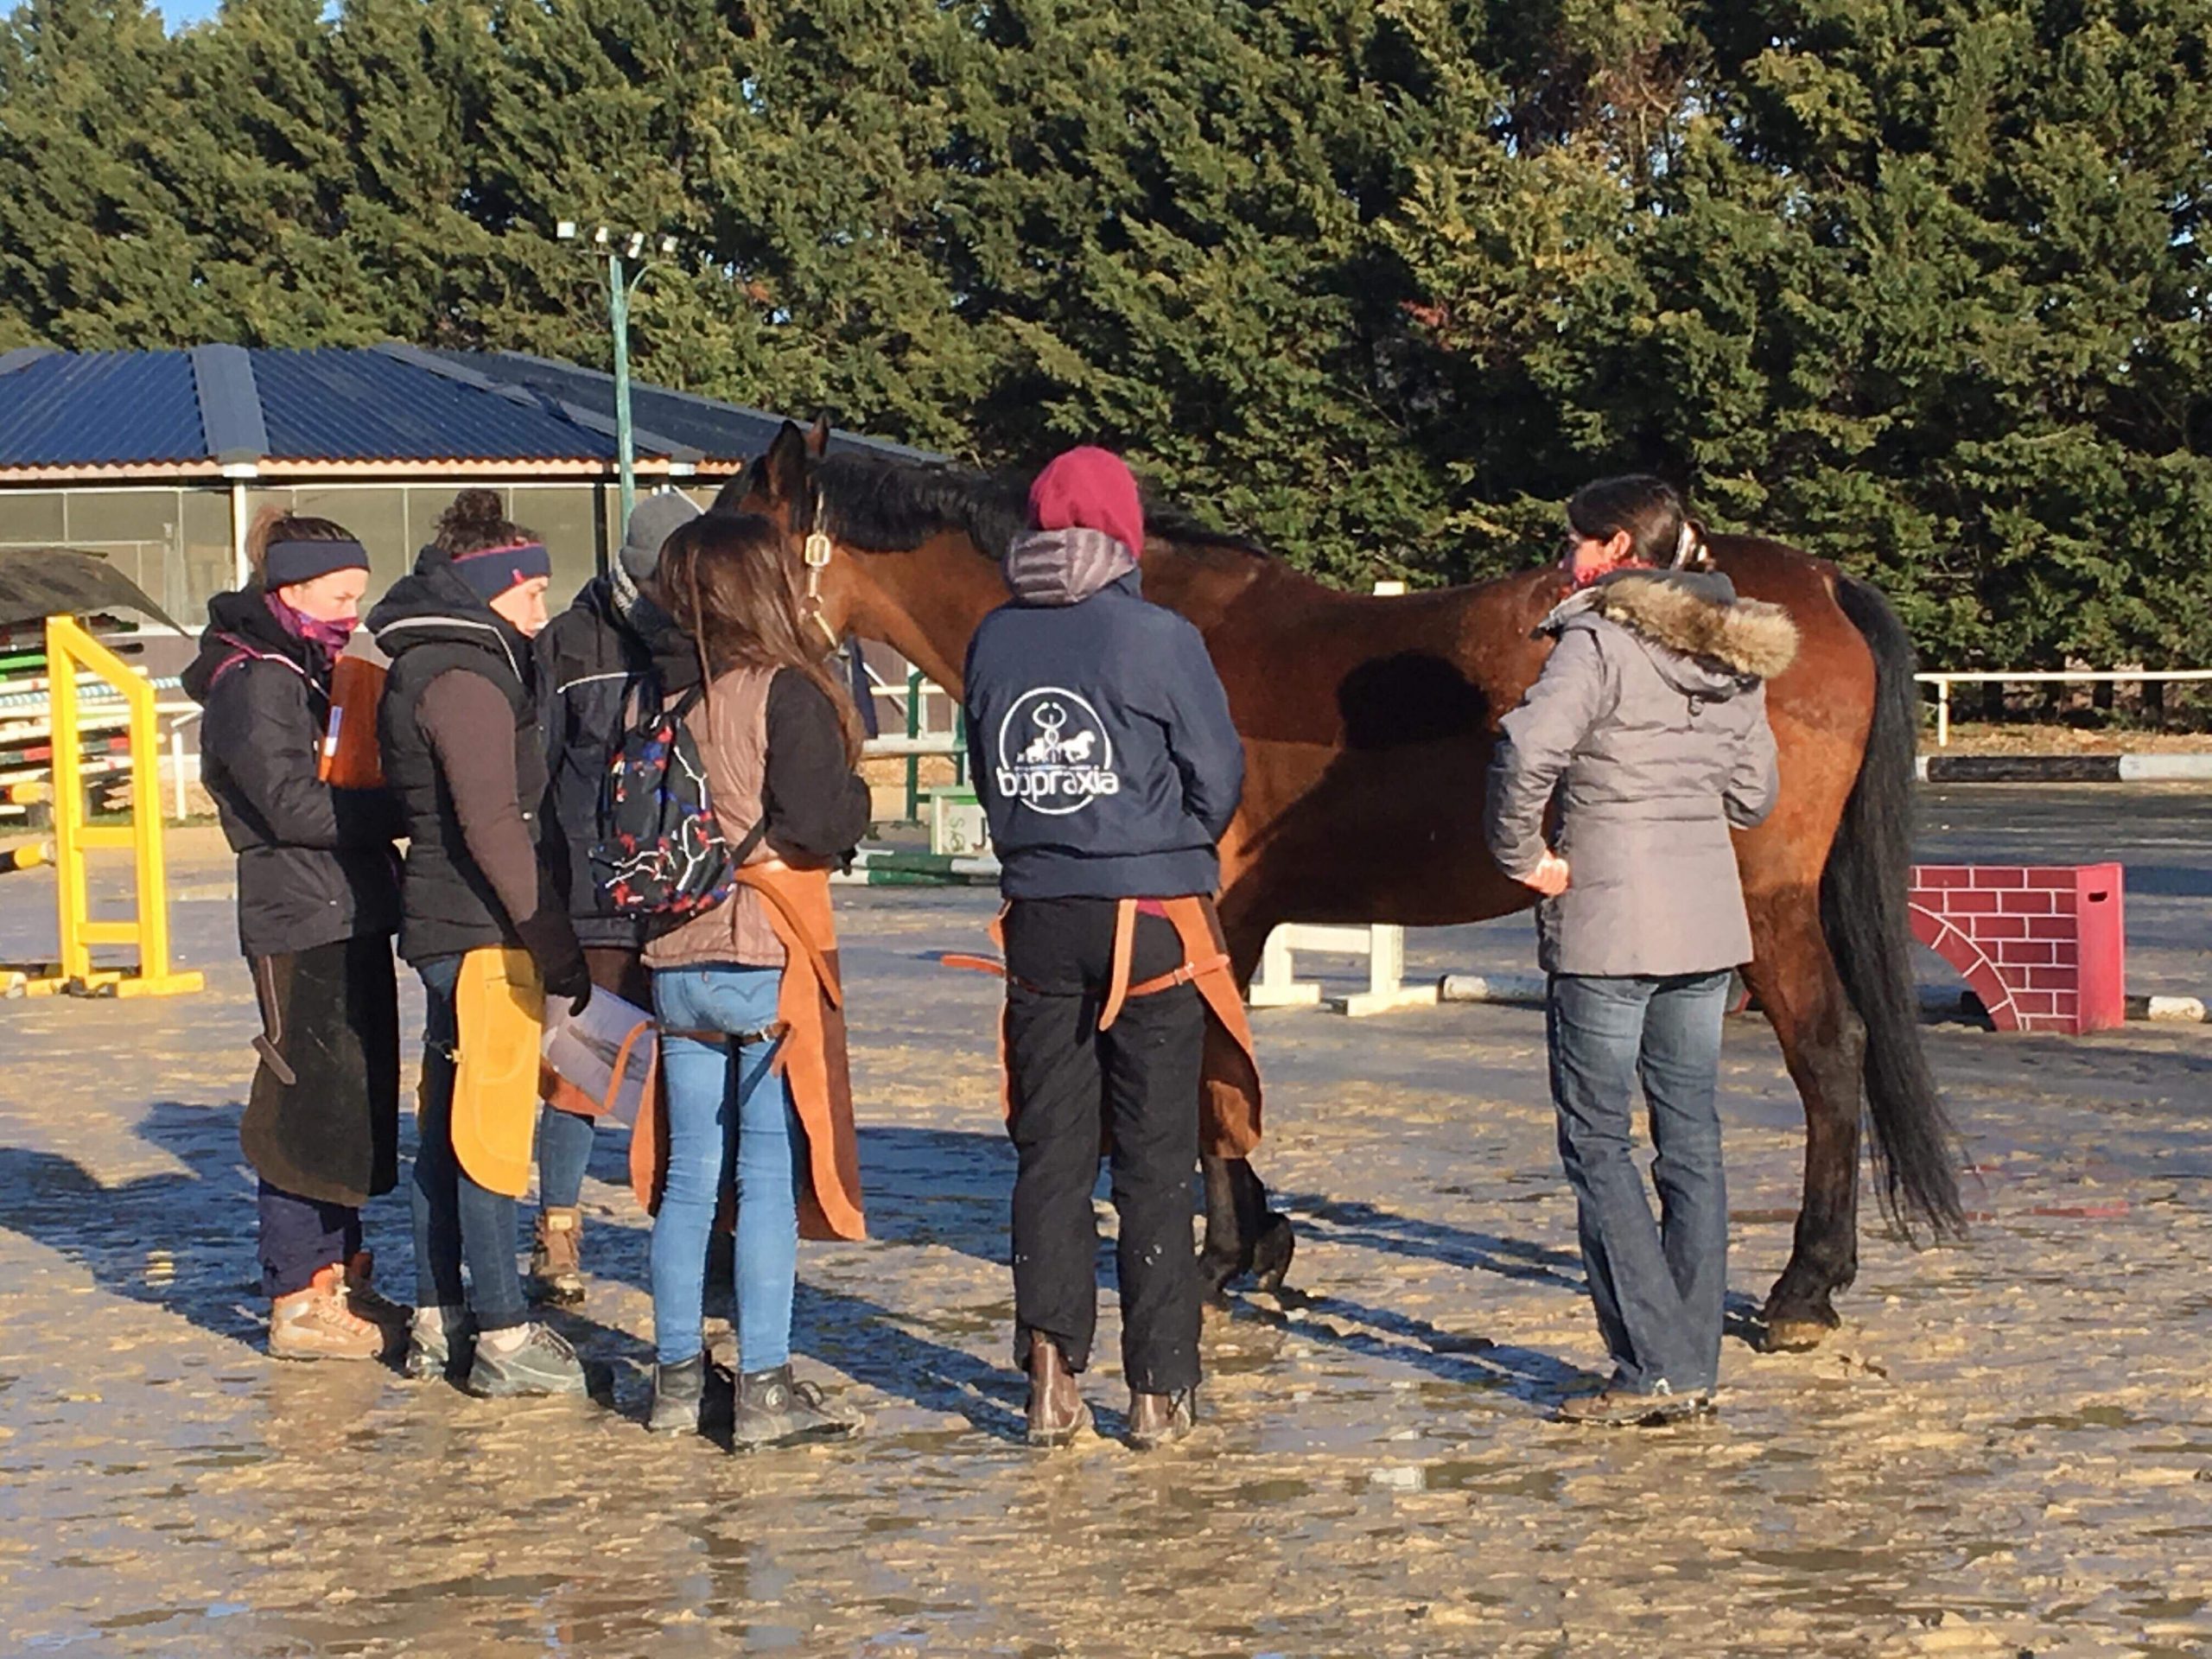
(161, 460)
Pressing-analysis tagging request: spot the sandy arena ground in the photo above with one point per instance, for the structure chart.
(2008, 1450)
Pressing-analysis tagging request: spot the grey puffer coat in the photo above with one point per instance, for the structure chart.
(1649, 724)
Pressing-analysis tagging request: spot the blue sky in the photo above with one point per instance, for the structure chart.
(176, 13)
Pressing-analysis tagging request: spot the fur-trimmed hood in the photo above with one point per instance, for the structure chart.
(1707, 639)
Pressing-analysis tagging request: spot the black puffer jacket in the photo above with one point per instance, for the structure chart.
(457, 727)
(590, 661)
(315, 864)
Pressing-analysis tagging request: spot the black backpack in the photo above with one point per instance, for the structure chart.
(664, 854)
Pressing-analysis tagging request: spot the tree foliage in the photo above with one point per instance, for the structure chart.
(1917, 283)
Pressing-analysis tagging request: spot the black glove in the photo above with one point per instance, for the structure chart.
(550, 939)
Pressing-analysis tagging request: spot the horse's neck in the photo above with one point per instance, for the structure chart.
(925, 604)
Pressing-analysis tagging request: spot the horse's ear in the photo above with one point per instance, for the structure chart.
(817, 437)
(782, 469)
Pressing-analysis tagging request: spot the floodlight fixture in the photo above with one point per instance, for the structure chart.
(601, 237)
(565, 230)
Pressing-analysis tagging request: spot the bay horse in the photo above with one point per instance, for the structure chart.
(1368, 726)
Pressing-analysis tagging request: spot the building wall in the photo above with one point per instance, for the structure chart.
(175, 542)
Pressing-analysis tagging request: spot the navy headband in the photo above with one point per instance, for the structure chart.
(283, 563)
(492, 570)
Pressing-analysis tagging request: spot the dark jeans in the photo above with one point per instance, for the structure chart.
(1658, 1288)
(565, 1141)
(301, 1236)
(455, 1219)
(1139, 1082)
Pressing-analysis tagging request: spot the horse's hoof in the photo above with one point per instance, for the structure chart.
(1788, 1335)
(1271, 1255)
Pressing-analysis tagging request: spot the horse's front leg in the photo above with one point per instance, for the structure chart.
(1242, 1235)
(1824, 1044)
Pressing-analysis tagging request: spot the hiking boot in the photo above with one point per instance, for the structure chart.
(685, 1397)
(316, 1323)
(773, 1409)
(1158, 1419)
(366, 1303)
(439, 1341)
(556, 1260)
(1616, 1407)
(542, 1363)
(1057, 1411)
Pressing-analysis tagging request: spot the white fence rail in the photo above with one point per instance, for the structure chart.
(1277, 985)
(1943, 682)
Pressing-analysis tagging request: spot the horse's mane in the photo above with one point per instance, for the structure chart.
(884, 505)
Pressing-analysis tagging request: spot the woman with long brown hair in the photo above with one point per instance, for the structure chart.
(747, 992)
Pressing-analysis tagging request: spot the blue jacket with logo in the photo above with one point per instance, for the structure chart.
(1098, 734)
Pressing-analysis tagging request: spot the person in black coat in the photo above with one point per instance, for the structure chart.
(458, 730)
(1108, 767)
(318, 903)
(595, 665)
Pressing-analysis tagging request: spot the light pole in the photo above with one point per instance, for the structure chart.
(614, 248)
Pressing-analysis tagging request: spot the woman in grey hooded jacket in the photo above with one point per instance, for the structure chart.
(1647, 736)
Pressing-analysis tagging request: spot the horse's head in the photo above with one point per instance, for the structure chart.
(778, 485)
(889, 552)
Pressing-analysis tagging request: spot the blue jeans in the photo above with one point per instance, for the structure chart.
(1658, 1288)
(563, 1151)
(725, 1110)
(455, 1219)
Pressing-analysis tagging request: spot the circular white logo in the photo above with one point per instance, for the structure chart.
(1053, 754)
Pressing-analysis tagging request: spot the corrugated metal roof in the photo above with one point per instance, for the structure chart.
(99, 408)
(709, 425)
(379, 403)
(365, 405)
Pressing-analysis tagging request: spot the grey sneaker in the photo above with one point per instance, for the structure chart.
(773, 1409)
(544, 1364)
(438, 1342)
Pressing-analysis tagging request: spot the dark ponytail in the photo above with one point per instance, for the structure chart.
(1660, 533)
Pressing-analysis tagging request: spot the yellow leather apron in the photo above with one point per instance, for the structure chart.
(500, 1004)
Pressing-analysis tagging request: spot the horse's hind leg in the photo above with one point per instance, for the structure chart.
(1824, 1044)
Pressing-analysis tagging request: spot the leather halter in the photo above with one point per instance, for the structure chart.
(816, 554)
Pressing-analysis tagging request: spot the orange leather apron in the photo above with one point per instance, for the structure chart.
(810, 1055)
(1229, 1087)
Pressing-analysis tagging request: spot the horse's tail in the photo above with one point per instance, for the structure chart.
(1862, 912)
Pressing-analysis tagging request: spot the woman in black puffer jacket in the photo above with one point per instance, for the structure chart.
(318, 903)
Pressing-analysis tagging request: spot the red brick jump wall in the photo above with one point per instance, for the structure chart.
(2043, 946)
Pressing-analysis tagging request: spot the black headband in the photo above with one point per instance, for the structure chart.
(285, 563)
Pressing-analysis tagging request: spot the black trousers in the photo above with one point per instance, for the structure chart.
(1138, 1085)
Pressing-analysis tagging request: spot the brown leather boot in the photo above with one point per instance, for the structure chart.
(557, 1257)
(1158, 1419)
(1057, 1411)
(316, 1324)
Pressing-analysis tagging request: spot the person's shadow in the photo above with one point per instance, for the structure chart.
(184, 1240)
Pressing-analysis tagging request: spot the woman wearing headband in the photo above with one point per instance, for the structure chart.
(318, 902)
(483, 926)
